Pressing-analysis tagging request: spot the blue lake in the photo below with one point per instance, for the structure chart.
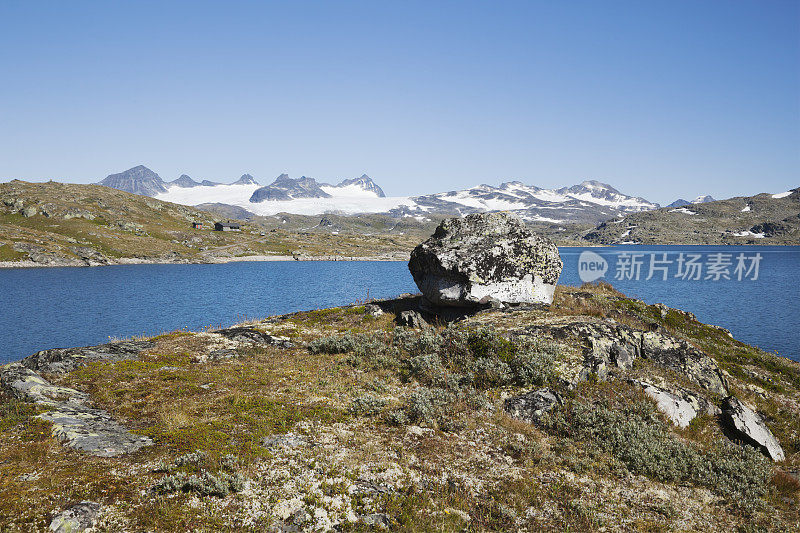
(63, 307)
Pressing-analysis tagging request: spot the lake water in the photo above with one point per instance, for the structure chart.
(44, 308)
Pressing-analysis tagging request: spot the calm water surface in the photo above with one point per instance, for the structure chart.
(63, 307)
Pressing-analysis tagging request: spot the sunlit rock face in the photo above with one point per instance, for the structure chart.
(483, 258)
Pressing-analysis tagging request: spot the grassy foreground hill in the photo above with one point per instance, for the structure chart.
(337, 419)
(761, 219)
(70, 224)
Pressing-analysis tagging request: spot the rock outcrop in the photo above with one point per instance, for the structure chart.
(76, 423)
(531, 406)
(251, 335)
(679, 405)
(747, 425)
(62, 360)
(609, 344)
(75, 518)
(469, 261)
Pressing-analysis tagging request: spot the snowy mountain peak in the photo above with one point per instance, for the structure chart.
(703, 199)
(184, 181)
(246, 179)
(364, 184)
(286, 188)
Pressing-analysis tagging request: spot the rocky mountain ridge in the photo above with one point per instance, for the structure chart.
(760, 219)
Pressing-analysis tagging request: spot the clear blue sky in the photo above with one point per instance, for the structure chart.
(659, 98)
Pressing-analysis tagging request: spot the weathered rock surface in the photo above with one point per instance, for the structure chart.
(610, 344)
(76, 423)
(254, 336)
(748, 426)
(679, 405)
(532, 405)
(411, 319)
(75, 518)
(62, 360)
(484, 256)
(373, 310)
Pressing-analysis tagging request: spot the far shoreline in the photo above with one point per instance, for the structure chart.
(209, 261)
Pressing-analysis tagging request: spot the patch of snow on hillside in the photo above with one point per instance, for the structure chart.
(682, 210)
(617, 202)
(749, 234)
(746, 208)
(782, 194)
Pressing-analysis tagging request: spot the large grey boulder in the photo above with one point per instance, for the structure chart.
(485, 256)
(748, 426)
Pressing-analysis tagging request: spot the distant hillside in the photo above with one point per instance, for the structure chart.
(760, 219)
(58, 224)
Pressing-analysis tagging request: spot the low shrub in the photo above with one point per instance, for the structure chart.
(205, 484)
(367, 405)
(452, 366)
(635, 435)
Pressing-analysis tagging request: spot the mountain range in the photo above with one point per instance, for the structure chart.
(680, 202)
(589, 202)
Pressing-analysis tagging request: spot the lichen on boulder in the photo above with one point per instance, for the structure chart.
(485, 257)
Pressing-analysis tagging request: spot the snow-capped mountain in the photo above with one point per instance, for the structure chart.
(246, 179)
(680, 202)
(357, 187)
(703, 199)
(285, 188)
(184, 181)
(588, 202)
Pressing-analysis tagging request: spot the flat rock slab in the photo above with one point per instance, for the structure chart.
(747, 425)
(63, 360)
(678, 405)
(76, 423)
(254, 336)
(76, 518)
